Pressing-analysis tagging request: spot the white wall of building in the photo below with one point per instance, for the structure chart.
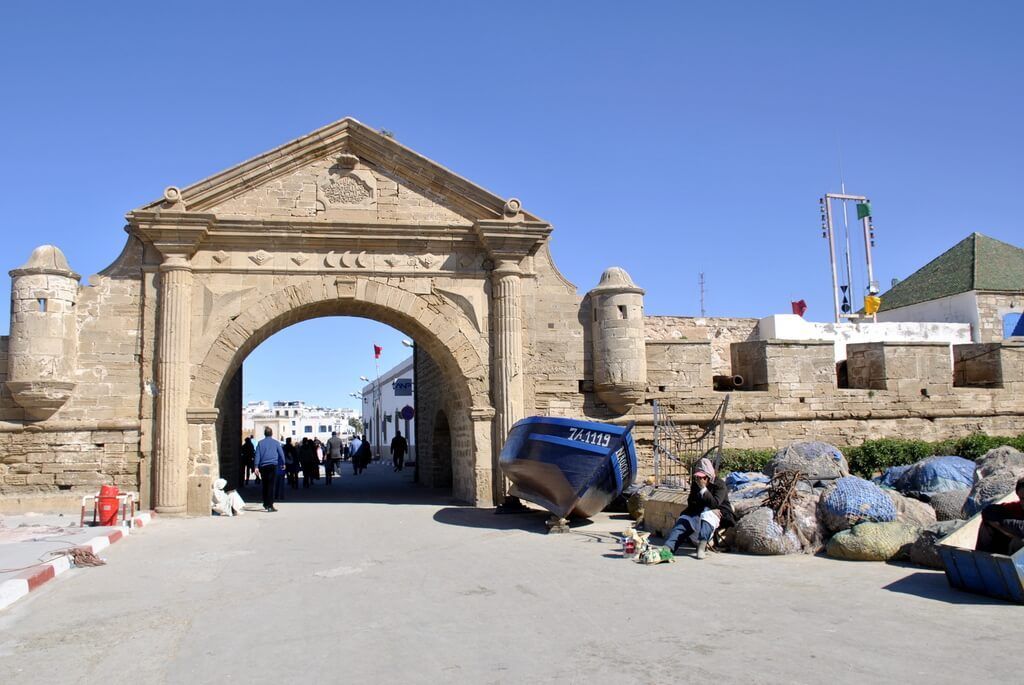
(793, 327)
(960, 308)
(388, 403)
(296, 420)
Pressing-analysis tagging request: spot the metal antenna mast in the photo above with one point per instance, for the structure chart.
(702, 311)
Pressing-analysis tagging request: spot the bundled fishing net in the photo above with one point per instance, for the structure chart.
(806, 525)
(949, 505)
(851, 500)
(997, 460)
(872, 541)
(931, 475)
(912, 511)
(758, 533)
(990, 488)
(815, 460)
(996, 475)
(925, 550)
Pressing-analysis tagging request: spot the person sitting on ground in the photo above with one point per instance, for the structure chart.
(707, 510)
(1002, 525)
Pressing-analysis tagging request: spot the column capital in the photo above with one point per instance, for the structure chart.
(513, 240)
(172, 232)
(175, 262)
(506, 267)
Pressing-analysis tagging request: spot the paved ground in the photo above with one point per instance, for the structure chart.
(381, 581)
(28, 539)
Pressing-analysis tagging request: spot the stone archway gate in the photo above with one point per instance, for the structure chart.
(342, 221)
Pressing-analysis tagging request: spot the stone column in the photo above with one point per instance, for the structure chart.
(174, 334)
(507, 313)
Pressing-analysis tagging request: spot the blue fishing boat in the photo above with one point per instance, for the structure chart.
(569, 466)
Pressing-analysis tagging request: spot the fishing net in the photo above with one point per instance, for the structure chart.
(990, 488)
(912, 511)
(815, 460)
(933, 475)
(949, 505)
(758, 533)
(851, 500)
(1003, 458)
(925, 550)
(872, 541)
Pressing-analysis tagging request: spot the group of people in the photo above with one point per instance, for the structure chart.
(275, 464)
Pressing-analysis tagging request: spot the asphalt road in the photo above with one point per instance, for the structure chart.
(377, 580)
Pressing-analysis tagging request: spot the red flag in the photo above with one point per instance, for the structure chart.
(799, 307)
(377, 349)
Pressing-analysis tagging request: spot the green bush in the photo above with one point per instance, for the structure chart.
(874, 456)
(745, 460)
(877, 455)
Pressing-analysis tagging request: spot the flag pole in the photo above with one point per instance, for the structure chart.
(377, 398)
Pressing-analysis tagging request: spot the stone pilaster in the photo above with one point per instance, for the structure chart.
(506, 297)
(174, 334)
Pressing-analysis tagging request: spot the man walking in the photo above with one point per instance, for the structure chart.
(398, 449)
(334, 447)
(269, 460)
(353, 450)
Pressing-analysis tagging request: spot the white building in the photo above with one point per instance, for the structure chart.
(388, 405)
(296, 420)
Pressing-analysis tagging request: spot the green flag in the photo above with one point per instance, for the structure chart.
(863, 210)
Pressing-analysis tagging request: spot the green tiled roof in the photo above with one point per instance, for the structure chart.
(975, 263)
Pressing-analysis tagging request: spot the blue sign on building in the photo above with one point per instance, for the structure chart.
(402, 386)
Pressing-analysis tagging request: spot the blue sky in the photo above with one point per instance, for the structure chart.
(664, 137)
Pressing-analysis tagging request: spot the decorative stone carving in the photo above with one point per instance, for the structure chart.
(392, 260)
(348, 260)
(513, 207)
(220, 256)
(428, 260)
(261, 257)
(172, 199)
(347, 160)
(347, 190)
(300, 259)
(363, 260)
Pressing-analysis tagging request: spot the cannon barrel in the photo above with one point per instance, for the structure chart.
(727, 382)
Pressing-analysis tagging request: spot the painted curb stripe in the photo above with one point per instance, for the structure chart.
(13, 589)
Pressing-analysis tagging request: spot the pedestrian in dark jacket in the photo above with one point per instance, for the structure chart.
(248, 461)
(310, 464)
(707, 510)
(363, 456)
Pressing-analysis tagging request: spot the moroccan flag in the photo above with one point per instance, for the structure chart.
(799, 307)
(863, 210)
(377, 349)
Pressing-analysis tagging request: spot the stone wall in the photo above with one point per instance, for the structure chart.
(95, 437)
(721, 332)
(991, 309)
(433, 462)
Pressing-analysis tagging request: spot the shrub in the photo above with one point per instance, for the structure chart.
(877, 455)
(745, 460)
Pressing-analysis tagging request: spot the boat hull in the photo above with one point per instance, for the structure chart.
(567, 466)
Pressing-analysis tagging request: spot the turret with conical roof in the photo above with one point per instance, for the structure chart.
(43, 351)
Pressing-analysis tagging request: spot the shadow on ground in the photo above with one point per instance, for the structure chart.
(379, 484)
(933, 585)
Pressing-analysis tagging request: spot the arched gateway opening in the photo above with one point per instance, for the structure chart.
(450, 384)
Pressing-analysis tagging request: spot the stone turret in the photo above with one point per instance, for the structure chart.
(43, 352)
(620, 357)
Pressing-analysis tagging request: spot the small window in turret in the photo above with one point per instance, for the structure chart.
(623, 314)
(42, 304)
